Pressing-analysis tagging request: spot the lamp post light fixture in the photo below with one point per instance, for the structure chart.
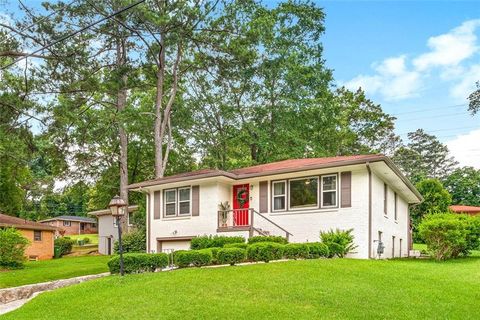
(117, 207)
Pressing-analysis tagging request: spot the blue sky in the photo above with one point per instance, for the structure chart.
(418, 59)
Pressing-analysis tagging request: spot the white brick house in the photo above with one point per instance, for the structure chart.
(294, 198)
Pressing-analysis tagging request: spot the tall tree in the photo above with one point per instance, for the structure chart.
(464, 186)
(424, 156)
(474, 100)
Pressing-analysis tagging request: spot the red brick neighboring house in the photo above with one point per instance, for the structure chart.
(73, 225)
(41, 236)
(465, 209)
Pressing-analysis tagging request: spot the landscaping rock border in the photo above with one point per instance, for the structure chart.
(8, 295)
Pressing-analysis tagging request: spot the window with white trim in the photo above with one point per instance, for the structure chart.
(130, 219)
(396, 206)
(37, 235)
(329, 191)
(177, 202)
(67, 223)
(170, 200)
(184, 201)
(115, 224)
(303, 193)
(279, 195)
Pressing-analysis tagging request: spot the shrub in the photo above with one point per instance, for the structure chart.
(231, 255)
(135, 241)
(296, 251)
(196, 258)
(276, 239)
(265, 251)
(236, 245)
(65, 245)
(339, 242)
(214, 252)
(139, 262)
(449, 235)
(317, 250)
(86, 240)
(12, 248)
(204, 242)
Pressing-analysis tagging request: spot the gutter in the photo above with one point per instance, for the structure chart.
(369, 210)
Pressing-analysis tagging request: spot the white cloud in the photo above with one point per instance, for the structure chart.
(397, 78)
(451, 48)
(392, 80)
(465, 148)
(466, 85)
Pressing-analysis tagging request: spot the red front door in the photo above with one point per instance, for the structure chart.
(241, 199)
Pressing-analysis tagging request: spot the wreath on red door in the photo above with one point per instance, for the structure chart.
(242, 195)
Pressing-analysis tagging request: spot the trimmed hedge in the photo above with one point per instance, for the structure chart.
(296, 251)
(276, 239)
(204, 242)
(196, 258)
(139, 262)
(65, 245)
(265, 251)
(214, 252)
(317, 250)
(231, 255)
(339, 242)
(236, 245)
(135, 241)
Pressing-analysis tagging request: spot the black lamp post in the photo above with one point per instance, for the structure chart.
(117, 207)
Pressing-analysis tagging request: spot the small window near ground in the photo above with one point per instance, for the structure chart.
(170, 202)
(329, 191)
(67, 223)
(279, 195)
(37, 235)
(303, 193)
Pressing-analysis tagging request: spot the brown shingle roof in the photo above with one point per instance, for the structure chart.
(464, 209)
(19, 223)
(291, 165)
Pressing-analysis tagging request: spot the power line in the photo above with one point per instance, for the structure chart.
(430, 109)
(447, 129)
(74, 33)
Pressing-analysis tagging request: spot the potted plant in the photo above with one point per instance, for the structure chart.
(224, 207)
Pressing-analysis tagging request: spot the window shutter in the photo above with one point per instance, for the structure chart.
(346, 189)
(195, 201)
(263, 196)
(156, 205)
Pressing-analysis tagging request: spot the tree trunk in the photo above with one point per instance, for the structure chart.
(122, 134)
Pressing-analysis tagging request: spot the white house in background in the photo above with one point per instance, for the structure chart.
(108, 229)
(294, 198)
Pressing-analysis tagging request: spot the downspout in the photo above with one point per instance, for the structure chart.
(147, 214)
(369, 210)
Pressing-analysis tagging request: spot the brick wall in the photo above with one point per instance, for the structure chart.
(74, 227)
(42, 249)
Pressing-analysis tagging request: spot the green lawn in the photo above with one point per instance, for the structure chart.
(47, 270)
(310, 289)
(93, 237)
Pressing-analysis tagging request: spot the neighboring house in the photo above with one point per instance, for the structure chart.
(72, 225)
(108, 229)
(465, 209)
(41, 236)
(294, 198)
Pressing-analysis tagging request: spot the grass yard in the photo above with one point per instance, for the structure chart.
(47, 270)
(309, 289)
(93, 237)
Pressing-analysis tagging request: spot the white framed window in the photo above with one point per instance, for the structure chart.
(37, 235)
(279, 195)
(115, 224)
(170, 202)
(303, 193)
(329, 191)
(67, 223)
(130, 219)
(177, 202)
(184, 201)
(395, 212)
(385, 199)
